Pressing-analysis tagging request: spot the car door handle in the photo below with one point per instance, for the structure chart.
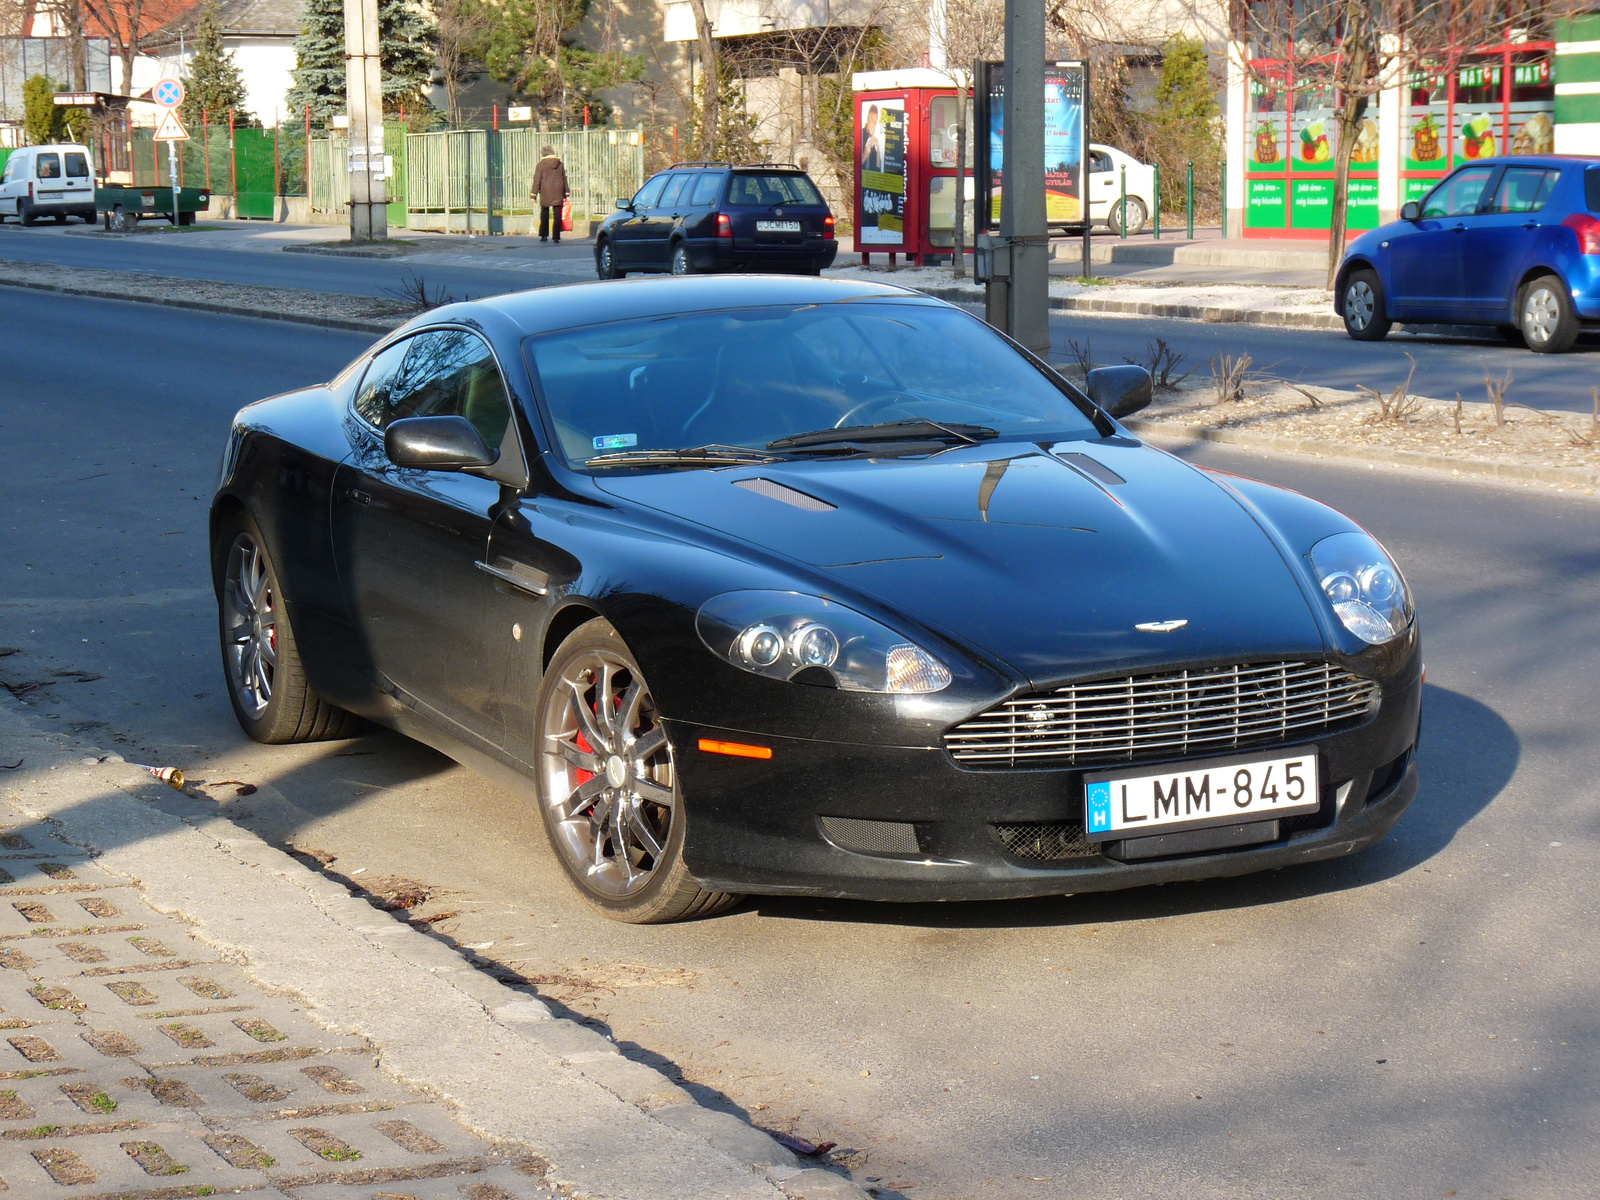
(518, 575)
(1531, 225)
(1458, 229)
(357, 496)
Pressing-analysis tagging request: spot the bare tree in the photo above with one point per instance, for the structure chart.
(126, 23)
(1359, 48)
(462, 25)
(67, 16)
(710, 80)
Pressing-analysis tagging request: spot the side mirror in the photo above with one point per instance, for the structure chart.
(1121, 391)
(436, 444)
(625, 204)
(1411, 211)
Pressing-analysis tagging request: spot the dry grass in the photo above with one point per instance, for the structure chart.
(1399, 406)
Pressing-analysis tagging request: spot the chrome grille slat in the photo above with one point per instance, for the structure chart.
(1173, 713)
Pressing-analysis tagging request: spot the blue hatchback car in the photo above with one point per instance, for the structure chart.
(1509, 242)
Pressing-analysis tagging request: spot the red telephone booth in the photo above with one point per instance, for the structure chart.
(905, 191)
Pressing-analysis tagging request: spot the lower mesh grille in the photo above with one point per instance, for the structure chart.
(871, 837)
(1046, 842)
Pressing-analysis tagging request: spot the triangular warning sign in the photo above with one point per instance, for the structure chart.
(170, 128)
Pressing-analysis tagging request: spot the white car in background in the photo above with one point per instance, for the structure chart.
(48, 181)
(1105, 189)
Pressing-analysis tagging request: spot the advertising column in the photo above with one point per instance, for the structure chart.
(882, 145)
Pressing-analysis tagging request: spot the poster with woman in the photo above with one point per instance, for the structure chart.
(881, 147)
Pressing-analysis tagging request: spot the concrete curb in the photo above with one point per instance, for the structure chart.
(1571, 476)
(230, 310)
(1146, 308)
(610, 1128)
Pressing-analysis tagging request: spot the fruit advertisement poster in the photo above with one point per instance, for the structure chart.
(1426, 136)
(1267, 147)
(1478, 133)
(1314, 143)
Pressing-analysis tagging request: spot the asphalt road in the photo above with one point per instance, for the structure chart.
(1417, 1021)
(489, 266)
(1445, 364)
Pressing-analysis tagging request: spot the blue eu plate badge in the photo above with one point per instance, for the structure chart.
(1099, 807)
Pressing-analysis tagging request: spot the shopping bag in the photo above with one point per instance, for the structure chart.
(566, 215)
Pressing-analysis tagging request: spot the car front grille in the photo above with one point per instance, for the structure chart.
(1135, 718)
(1049, 841)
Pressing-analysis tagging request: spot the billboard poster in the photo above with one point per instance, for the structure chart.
(881, 142)
(1063, 143)
(1066, 134)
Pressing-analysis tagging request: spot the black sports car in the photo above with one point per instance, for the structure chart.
(784, 585)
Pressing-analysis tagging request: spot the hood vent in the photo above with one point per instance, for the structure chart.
(777, 491)
(1092, 467)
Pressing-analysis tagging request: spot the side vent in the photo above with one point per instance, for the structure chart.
(777, 491)
(1092, 467)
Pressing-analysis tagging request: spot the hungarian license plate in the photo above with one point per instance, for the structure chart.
(777, 226)
(1194, 795)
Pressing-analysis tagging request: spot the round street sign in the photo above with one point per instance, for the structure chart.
(169, 93)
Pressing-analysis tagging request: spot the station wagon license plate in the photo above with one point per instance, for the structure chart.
(777, 226)
(1196, 795)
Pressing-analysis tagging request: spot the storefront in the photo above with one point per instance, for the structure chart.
(1493, 100)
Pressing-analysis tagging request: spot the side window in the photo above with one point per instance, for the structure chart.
(372, 397)
(674, 190)
(77, 166)
(13, 169)
(1524, 189)
(1458, 196)
(646, 196)
(450, 373)
(49, 166)
(1591, 189)
(705, 189)
(1099, 161)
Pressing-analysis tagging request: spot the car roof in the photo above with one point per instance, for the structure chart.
(545, 309)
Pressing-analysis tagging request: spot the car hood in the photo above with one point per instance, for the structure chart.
(1044, 557)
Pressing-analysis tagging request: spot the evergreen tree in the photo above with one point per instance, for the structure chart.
(42, 120)
(528, 46)
(405, 50)
(1184, 127)
(212, 84)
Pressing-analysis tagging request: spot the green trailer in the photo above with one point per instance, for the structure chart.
(123, 206)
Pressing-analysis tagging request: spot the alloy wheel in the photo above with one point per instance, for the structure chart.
(608, 772)
(680, 261)
(250, 624)
(1359, 305)
(1541, 314)
(606, 263)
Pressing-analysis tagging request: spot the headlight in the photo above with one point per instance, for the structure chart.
(781, 634)
(1366, 588)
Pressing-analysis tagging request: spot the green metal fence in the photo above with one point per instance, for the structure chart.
(328, 176)
(255, 166)
(479, 180)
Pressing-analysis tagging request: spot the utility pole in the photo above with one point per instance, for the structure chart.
(1022, 204)
(369, 216)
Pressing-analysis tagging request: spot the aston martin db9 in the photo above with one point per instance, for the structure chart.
(804, 586)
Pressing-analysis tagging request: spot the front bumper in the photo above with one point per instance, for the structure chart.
(757, 826)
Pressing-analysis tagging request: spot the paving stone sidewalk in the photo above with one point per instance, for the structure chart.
(138, 1063)
(189, 1011)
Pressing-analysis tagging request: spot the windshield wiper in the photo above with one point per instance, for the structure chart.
(920, 430)
(692, 456)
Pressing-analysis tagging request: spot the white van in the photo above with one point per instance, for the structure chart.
(47, 181)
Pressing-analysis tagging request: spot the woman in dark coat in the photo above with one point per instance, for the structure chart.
(550, 187)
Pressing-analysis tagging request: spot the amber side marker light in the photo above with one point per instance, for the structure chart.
(735, 749)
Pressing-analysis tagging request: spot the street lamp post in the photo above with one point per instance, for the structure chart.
(1022, 202)
(369, 218)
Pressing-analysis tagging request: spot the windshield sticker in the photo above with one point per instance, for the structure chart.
(616, 441)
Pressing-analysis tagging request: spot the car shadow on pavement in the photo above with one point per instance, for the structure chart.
(1467, 756)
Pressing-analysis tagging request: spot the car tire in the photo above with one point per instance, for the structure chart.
(25, 215)
(681, 263)
(1137, 215)
(1365, 318)
(621, 843)
(606, 261)
(1544, 313)
(260, 659)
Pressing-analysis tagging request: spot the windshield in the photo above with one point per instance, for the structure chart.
(749, 377)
